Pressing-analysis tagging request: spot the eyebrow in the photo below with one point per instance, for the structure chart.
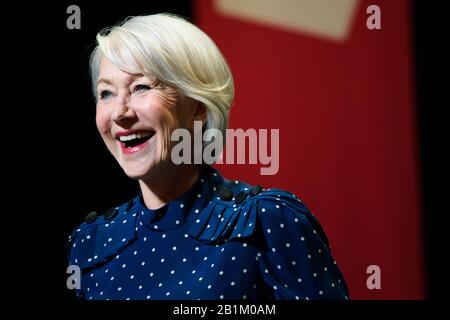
(131, 79)
(103, 80)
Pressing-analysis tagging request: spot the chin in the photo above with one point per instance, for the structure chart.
(136, 173)
(142, 172)
(144, 166)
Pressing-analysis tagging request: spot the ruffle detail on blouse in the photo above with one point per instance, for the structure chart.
(222, 221)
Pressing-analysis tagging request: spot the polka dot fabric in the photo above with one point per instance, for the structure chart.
(205, 247)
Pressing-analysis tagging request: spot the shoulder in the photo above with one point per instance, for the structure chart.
(289, 215)
(239, 210)
(100, 236)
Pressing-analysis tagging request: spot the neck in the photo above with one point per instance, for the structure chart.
(156, 192)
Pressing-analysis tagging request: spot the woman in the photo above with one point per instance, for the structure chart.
(190, 233)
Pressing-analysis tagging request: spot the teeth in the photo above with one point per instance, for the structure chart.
(134, 136)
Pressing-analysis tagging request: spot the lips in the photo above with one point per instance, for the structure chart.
(133, 141)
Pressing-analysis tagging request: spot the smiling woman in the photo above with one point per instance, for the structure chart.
(135, 117)
(190, 233)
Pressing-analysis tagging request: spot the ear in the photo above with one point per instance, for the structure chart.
(200, 113)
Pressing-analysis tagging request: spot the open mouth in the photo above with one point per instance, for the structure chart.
(136, 139)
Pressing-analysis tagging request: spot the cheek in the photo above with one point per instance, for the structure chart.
(160, 109)
(102, 120)
(166, 123)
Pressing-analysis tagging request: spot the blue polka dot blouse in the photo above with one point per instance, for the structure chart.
(220, 240)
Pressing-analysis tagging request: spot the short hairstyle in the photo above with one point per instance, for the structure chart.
(175, 52)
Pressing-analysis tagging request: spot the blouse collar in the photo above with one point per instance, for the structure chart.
(178, 211)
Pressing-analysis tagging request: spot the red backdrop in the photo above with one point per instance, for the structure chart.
(345, 110)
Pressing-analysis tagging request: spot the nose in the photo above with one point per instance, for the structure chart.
(122, 111)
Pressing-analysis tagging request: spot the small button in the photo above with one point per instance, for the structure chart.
(110, 213)
(240, 197)
(90, 217)
(225, 194)
(255, 190)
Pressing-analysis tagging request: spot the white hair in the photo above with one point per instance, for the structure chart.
(175, 52)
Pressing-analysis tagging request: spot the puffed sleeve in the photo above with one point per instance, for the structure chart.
(296, 261)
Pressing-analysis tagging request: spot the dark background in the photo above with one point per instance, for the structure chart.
(57, 168)
(430, 30)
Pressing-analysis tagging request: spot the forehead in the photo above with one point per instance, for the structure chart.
(109, 71)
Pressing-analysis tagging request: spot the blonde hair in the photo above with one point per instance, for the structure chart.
(175, 52)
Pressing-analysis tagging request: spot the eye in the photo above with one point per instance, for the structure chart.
(142, 88)
(104, 94)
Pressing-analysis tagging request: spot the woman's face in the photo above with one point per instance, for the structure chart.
(135, 117)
